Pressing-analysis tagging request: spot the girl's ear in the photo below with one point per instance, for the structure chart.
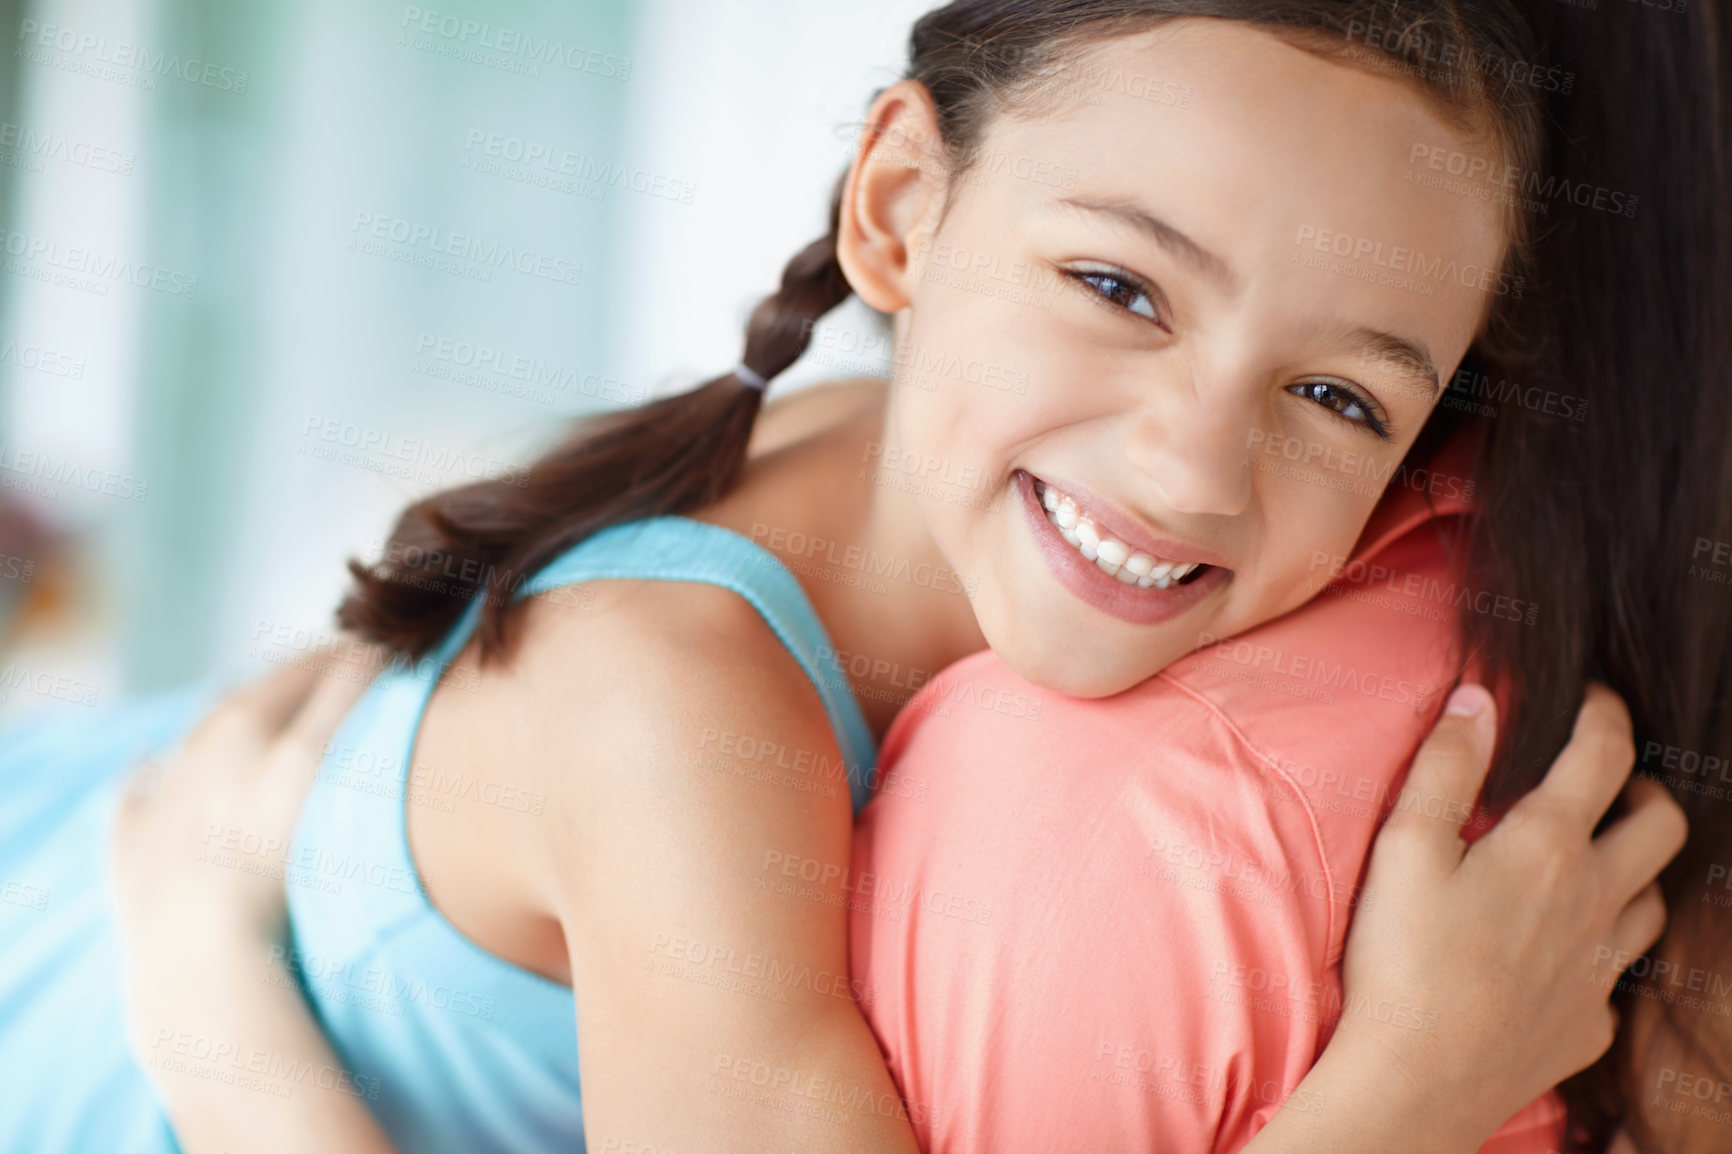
(893, 196)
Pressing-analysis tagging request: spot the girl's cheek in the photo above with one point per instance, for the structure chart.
(1302, 559)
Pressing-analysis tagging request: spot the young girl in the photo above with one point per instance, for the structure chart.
(438, 944)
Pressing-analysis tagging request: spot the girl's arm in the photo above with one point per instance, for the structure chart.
(1520, 939)
(715, 1011)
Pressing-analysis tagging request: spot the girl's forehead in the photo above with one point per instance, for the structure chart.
(1235, 125)
(1192, 63)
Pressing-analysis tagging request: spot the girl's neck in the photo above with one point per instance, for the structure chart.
(815, 494)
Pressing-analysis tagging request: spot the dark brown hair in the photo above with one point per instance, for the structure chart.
(1600, 519)
(978, 58)
(1627, 314)
(669, 456)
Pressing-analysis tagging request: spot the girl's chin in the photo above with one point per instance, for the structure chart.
(1060, 665)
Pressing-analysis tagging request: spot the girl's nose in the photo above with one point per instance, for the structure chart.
(1192, 445)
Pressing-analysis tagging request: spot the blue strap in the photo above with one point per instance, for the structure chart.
(682, 549)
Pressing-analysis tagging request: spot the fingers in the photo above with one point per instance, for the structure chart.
(1639, 844)
(1593, 767)
(1640, 924)
(1448, 772)
(271, 705)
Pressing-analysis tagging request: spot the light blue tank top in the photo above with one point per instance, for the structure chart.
(453, 1047)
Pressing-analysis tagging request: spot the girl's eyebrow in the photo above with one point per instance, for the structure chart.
(1407, 358)
(1130, 213)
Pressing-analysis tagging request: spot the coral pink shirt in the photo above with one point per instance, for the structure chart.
(1117, 924)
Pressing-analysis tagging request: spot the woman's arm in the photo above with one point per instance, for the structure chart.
(690, 963)
(669, 1028)
(702, 823)
(214, 1017)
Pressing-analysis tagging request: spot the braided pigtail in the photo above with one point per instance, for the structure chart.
(670, 456)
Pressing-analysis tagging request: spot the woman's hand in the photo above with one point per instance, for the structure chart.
(200, 847)
(201, 837)
(1501, 952)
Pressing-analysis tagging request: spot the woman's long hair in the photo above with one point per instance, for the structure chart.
(1599, 398)
(1613, 522)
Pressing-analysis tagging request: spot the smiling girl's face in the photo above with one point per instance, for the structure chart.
(1167, 327)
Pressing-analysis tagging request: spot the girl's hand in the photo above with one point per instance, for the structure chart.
(1503, 951)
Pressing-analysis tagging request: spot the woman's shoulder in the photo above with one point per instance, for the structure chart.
(813, 410)
(630, 713)
(641, 646)
(643, 659)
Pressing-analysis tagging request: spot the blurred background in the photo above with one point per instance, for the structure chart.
(270, 269)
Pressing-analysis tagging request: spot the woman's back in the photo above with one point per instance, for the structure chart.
(462, 1030)
(481, 776)
(460, 1036)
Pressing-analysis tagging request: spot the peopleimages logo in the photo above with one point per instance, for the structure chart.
(1410, 261)
(344, 442)
(1542, 188)
(1314, 669)
(42, 360)
(1441, 59)
(431, 241)
(38, 145)
(536, 160)
(18, 465)
(102, 269)
(511, 42)
(87, 46)
(447, 358)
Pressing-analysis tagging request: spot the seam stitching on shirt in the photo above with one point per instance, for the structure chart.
(1310, 813)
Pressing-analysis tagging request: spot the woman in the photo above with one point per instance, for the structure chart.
(647, 842)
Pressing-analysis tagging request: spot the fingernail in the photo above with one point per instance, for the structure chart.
(1467, 701)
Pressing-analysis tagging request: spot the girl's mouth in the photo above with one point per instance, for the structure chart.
(1142, 581)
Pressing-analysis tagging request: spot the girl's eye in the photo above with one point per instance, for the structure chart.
(1121, 289)
(1342, 400)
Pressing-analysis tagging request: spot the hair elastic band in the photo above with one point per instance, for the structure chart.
(750, 376)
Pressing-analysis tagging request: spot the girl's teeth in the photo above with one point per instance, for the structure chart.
(1112, 556)
(1088, 538)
